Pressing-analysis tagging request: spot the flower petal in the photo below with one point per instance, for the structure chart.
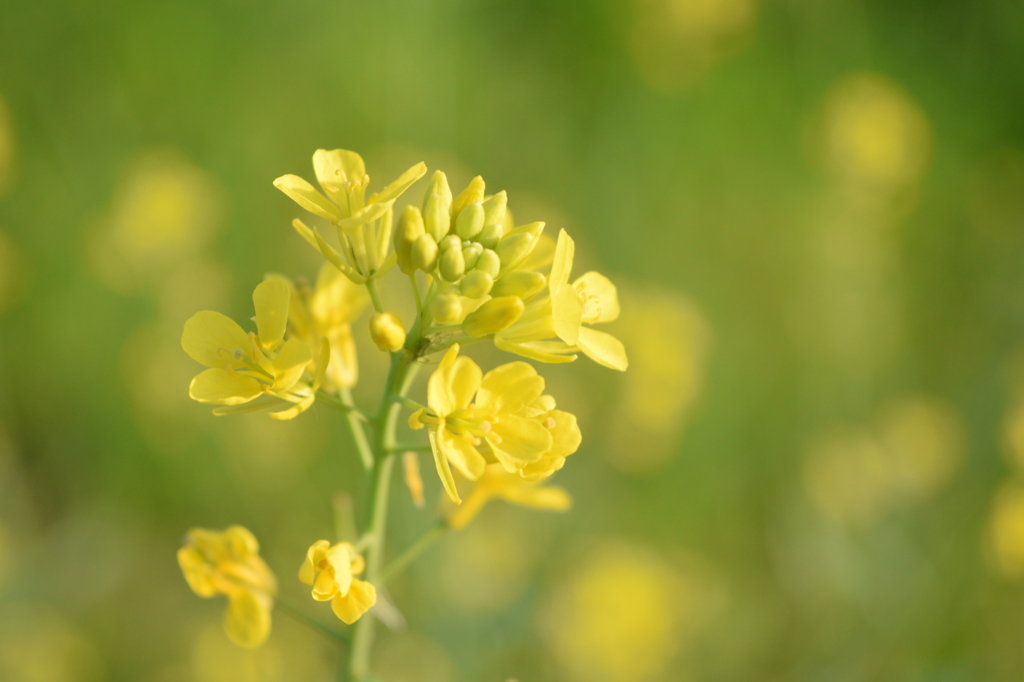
(221, 387)
(519, 439)
(306, 196)
(325, 586)
(567, 313)
(335, 167)
(307, 572)
(453, 384)
(196, 571)
(360, 598)
(211, 338)
(561, 266)
(295, 410)
(460, 452)
(565, 434)
(247, 619)
(340, 558)
(531, 351)
(594, 285)
(270, 298)
(549, 497)
(602, 348)
(264, 402)
(444, 471)
(510, 387)
(398, 187)
(289, 364)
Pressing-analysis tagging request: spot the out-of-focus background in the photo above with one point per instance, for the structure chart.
(814, 209)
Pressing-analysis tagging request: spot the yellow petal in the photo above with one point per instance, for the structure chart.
(325, 586)
(443, 470)
(306, 196)
(360, 598)
(264, 402)
(567, 313)
(289, 364)
(565, 434)
(594, 285)
(530, 350)
(335, 167)
(295, 410)
(366, 214)
(307, 572)
(221, 387)
(561, 265)
(519, 439)
(510, 387)
(468, 510)
(604, 349)
(453, 383)
(211, 338)
(460, 452)
(247, 619)
(551, 498)
(340, 558)
(196, 571)
(270, 298)
(321, 363)
(402, 183)
(542, 255)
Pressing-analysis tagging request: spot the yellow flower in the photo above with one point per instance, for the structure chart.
(498, 483)
(364, 223)
(501, 416)
(331, 571)
(229, 563)
(328, 312)
(244, 367)
(565, 314)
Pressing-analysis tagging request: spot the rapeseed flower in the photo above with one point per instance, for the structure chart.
(476, 418)
(228, 563)
(246, 366)
(364, 223)
(496, 483)
(565, 314)
(331, 570)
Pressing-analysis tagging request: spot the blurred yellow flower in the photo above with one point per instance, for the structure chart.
(565, 313)
(331, 570)
(496, 483)
(621, 618)
(244, 367)
(364, 223)
(229, 563)
(1006, 530)
(501, 416)
(328, 311)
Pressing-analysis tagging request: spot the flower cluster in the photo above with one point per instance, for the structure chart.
(475, 275)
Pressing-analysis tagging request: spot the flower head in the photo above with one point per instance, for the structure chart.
(246, 366)
(331, 570)
(496, 483)
(363, 222)
(565, 314)
(228, 563)
(500, 416)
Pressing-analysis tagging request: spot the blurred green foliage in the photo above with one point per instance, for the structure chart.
(813, 209)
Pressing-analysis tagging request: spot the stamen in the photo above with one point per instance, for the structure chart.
(485, 426)
(238, 354)
(496, 439)
(549, 422)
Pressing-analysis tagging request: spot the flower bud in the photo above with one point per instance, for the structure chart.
(446, 308)
(472, 254)
(410, 227)
(489, 263)
(424, 253)
(452, 265)
(474, 193)
(494, 209)
(470, 221)
(521, 283)
(452, 241)
(517, 245)
(437, 206)
(496, 315)
(387, 331)
(490, 235)
(476, 284)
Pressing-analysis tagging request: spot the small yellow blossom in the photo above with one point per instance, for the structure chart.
(501, 416)
(496, 483)
(244, 367)
(1006, 530)
(364, 223)
(328, 311)
(565, 314)
(229, 563)
(331, 570)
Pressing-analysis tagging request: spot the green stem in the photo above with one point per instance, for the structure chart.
(355, 426)
(403, 370)
(409, 447)
(416, 293)
(411, 404)
(371, 286)
(290, 609)
(337, 404)
(413, 551)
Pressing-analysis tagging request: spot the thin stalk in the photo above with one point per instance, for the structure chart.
(329, 399)
(411, 404)
(409, 447)
(355, 426)
(413, 551)
(291, 610)
(371, 286)
(416, 293)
